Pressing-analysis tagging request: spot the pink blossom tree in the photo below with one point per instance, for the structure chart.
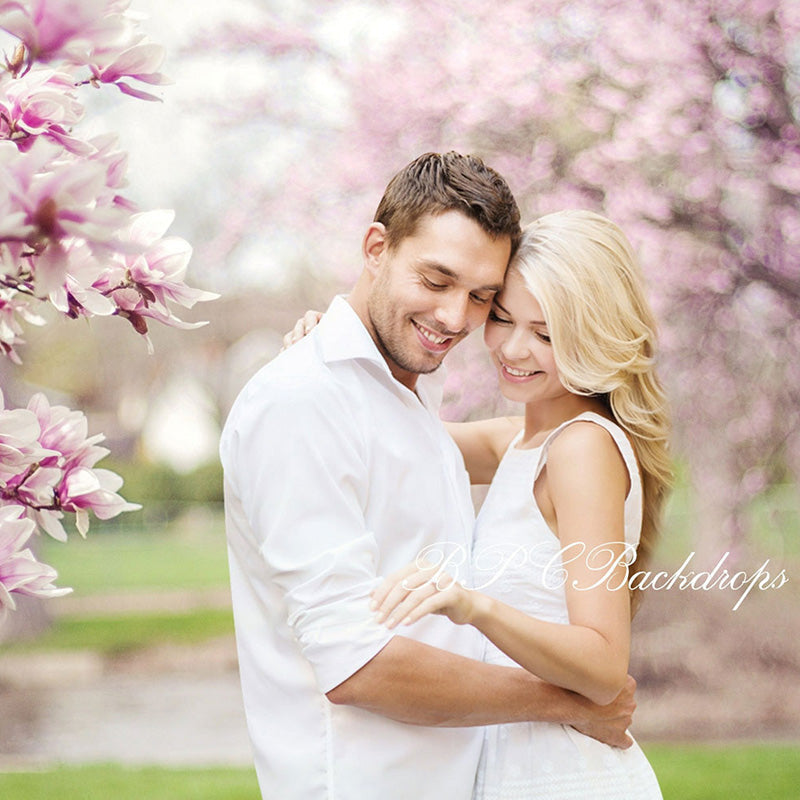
(679, 120)
(71, 239)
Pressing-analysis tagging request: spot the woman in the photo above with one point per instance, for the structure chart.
(573, 507)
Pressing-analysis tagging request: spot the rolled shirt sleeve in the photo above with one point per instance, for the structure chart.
(301, 470)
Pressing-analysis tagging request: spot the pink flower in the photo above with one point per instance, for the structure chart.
(155, 274)
(37, 488)
(12, 307)
(95, 490)
(42, 104)
(141, 62)
(94, 33)
(72, 484)
(19, 443)
(79, 296)
(14, 226)
(68, 29)
(115, 163)
(47, 466)
(59, 197)
(20, 572)
(65, 431)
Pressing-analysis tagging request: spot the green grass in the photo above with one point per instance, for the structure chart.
(725, 772)
(121, 633)
(121, 783)
(189, 553)
(686, 772)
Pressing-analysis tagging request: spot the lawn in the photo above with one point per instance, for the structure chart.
(144, 555)
(123, 783)
(727, 772)
(114, 635)
(686, 772)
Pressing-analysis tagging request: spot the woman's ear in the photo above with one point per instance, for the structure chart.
(374, 246)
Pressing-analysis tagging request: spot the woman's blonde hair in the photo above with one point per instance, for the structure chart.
(581, 269)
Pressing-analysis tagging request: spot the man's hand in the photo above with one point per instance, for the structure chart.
(304, 325)
(610, 723)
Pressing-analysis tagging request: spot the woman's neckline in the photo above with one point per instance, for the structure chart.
(514, 444)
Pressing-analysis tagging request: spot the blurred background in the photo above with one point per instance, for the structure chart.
(676, 118)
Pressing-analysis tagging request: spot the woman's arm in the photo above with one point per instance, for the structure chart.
(482, 444)
(587, 482)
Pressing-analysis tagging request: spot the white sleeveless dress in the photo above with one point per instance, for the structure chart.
(516, 559)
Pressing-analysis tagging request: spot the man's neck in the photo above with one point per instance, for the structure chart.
(358, 302)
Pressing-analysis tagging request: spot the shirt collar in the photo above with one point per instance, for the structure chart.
(343, 337)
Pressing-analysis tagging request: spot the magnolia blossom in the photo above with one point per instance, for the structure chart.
(115, 163)
(68, 237)
(68, 234)
(65, 432)
(20, 572)
(57, 194)
(12, 307)
(81, 294)
(153, 276)
(66, 231)
(20, 448)
(99, 34)
(52, 29)
(84, 490)
(47, 467)
(42, 103)
(140, 62)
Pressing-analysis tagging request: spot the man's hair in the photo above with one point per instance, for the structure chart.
(435, 183)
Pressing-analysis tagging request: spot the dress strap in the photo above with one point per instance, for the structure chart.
(633, 501)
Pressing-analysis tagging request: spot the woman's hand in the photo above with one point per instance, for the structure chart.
(303, 326)
(419, 589)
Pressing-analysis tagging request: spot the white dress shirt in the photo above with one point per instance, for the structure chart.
(336, 474)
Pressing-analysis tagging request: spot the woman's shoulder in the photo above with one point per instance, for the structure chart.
(591, 440)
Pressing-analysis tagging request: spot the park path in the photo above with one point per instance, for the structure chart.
(166, 705)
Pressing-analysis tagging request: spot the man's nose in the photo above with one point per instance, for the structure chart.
(452, 312)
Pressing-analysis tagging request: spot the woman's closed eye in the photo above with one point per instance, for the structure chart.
(495, 317)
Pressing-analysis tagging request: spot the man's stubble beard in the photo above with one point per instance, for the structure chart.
(388, 333)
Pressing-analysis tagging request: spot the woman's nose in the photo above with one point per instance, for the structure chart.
(515, 347)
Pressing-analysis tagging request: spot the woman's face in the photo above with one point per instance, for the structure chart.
(518, 339)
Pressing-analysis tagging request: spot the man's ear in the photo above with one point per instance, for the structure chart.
(374, 247)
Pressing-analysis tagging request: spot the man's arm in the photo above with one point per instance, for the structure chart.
(418, 684)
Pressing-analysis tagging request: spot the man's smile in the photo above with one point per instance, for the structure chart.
(431, 340)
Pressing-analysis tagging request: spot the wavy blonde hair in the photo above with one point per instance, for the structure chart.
(581, 269)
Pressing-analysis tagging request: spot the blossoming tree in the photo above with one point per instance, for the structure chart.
(677, 119)
(71, 239)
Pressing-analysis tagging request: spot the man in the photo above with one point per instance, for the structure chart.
(338, 471)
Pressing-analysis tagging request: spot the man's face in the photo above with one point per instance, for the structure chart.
(431, 290)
